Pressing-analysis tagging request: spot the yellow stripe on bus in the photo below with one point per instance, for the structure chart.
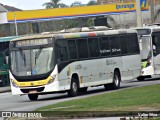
(32, 83)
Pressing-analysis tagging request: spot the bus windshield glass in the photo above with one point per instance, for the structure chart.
(145, 47)
(32, 61)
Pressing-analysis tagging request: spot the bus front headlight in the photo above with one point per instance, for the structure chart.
(14, 83)
(52, 79)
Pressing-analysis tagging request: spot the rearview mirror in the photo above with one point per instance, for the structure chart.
(6, 59)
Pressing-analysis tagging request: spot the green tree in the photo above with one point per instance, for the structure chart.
(157, 14)
(54, 4)
(76, 4)
(111, 21)
(92, 2)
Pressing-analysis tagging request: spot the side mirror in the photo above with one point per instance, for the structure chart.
(7, 59)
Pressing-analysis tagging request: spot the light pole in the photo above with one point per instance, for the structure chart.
(138, 12)
(152, 11)
(15, 22)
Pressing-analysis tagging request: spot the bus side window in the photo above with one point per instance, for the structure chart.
(156, 45)
(82, 48)
(134, 43)
(93, 47)
(104, 47)
(115, 45)
(62, 54)
(125, 44)
(72, 49)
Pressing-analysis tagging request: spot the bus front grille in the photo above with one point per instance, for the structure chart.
(40, 89)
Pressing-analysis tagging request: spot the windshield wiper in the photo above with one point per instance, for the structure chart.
(23, 56)
(38, 54)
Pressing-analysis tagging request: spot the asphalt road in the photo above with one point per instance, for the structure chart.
(22, 103)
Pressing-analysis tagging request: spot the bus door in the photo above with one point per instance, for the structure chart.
(156, 52)
(145, 45)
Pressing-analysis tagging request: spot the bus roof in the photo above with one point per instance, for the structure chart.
(95, 33)
(33, 37)
(7, 39)
(63, 35)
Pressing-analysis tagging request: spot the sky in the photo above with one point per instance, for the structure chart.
(35, 4)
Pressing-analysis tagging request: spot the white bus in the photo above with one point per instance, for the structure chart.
(149, 41)
(72, 62)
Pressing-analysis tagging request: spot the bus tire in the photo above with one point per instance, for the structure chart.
(116, 82)
(107, 86)
(141, 78)
(74, 88)
(33, 97)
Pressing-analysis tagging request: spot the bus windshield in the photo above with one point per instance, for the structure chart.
(145, 48)
(32, 61)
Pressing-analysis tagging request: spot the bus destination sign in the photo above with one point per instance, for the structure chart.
(32, 42)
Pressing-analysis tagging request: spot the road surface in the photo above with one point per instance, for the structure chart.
(22, 103)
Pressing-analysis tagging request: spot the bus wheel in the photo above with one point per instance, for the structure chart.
(33, 97)
(74, 88)
(116, 81)
(107, 86)
(141, 78)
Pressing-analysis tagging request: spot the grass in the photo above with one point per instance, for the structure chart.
(135, 99)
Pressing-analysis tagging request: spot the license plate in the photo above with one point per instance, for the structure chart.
(32, 91)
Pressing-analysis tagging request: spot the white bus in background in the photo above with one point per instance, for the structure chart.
(72, 62)
(149, 41)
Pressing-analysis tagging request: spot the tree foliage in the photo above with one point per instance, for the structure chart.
(157, 14)
(76, 4)
(76, 22)
(92, 2)
(54, 4)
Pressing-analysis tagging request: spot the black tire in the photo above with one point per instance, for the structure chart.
(141, 78)
(74, 88)
(107, 86)
(33, 97)
(83, 90)
(116, 82)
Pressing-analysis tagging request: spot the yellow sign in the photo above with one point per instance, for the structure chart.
(72, 12)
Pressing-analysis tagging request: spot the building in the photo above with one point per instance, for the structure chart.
(129, 19)
(2, 9)
(113, 1)
(9, 8)
(3, 12)
(120, 1)
(3, 15)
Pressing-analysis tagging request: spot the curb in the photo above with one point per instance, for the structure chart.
(5, 89)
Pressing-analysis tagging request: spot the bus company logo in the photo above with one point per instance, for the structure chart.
(143, 3)
(124, 6)
(6, 114)
(28, 73)
(20, 115)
